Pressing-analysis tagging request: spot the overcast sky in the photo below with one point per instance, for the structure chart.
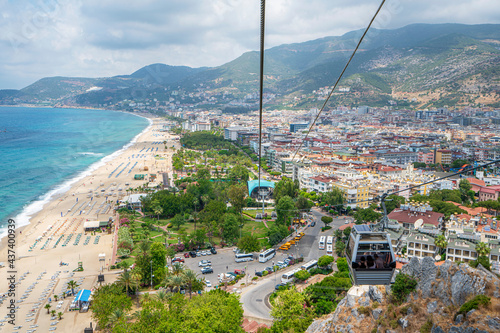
(96, 38)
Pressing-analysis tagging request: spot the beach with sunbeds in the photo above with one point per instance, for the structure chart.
(55, 256)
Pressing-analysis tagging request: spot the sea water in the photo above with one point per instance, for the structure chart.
(45, 150)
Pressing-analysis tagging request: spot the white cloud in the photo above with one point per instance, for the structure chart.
(95, 38)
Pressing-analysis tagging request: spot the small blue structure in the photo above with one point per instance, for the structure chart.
(253, 186)
(82, 300)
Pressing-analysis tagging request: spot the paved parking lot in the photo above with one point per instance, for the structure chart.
(223, 262)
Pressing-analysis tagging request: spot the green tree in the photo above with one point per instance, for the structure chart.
(285, 209)
(72, 285)
(249, 244)
(440, 242)
(290, 312)
(230, 228)
(347, 232)
(127, 281)
(285, 187)
(276, 234)
(236, 194)
(342, 265)
(170, 252)
(158, 256)
(482, 249)
(367, 215)
(339, 248)
(303, 204)
(203, 173)
(106, 299)
(402, 287)
(239, 174)
(48, 306)
(302, 275)
(190, 278)
(326, 220)
(178, 220)
(393, 201)
(325, 260)
(333, 198)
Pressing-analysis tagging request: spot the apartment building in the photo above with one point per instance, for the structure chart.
(443, 156)
(420, 245)
(460, 250)
(356, 194)
(426, 156)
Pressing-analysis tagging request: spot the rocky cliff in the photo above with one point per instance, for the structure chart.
(433, 307)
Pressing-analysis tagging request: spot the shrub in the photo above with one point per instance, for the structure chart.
(427, 327)
(475, 303)
(169, 225)
(323, 307)
(342, 265)
(394, 324)
(402, 287)
(264, 273)
(315, 271)
(326, 228)
(375, 305)
(343, 274)
(255, 278)
(364, 310)
(404, 310)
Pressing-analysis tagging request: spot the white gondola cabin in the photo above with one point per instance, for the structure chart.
(370, 256)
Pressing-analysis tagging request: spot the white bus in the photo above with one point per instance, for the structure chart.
(289, 277)
(241, 257)
(329, 249)
(266, 255)
(309, 265)
(322, 242)
(329, 240)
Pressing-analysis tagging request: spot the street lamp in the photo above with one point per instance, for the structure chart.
(274, 270)
(151, 274)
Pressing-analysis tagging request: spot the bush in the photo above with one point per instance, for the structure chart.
(402, 287)
(264, 273)
(427, 327)
(343, 274)
(326, 228)
(364, 310)
(342, 265)
(375, 305)
(169, 225)
(475, 303)
(315, 271)
(255, 278)
(323, 307)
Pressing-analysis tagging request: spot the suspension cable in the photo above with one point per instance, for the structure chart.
(261, 83)
(339, 78)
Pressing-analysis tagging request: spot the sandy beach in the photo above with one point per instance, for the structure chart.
(50, 248)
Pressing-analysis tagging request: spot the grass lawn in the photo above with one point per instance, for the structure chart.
(254, 212)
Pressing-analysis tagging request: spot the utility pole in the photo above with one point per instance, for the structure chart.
(151, 274)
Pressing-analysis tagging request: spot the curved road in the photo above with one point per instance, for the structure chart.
(253, 297)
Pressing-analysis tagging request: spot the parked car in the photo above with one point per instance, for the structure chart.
(203, 253)
(213, 250)
(186, 255)
(208, 284)
(287, 261)
(192, 254)
(177, 259)
(198, 254)
(208, 253)
(239, 271)
(258, 273)
(204, 263)
(313, 223)
(207, 270)
(277, 287)
(269, 269)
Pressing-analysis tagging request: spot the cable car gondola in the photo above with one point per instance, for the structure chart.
(370, 256)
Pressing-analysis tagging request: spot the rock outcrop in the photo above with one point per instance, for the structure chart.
(433, 307)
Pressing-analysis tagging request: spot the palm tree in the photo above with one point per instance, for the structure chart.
(177, 282)
(55, 298)
(177, 269)
(48, 306)
(127, 280)
(168, 283)
(53, 313)
(60, 314)
(190, 277)
(162, 296)
(146, 298)
(116, 315)
(440, 242)
(482, 249)
(72, 285)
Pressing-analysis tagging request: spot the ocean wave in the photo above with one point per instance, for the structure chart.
(90, 153)
(23, 218)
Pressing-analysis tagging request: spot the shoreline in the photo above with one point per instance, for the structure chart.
(56, 191)
(54, 244)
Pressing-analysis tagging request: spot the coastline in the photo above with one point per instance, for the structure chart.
(58, 190)
(54, 240)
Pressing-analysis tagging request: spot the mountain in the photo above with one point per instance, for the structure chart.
(419, 65)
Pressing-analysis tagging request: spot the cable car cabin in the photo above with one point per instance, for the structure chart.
(370, 256)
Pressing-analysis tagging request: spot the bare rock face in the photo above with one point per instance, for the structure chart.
(441, 290)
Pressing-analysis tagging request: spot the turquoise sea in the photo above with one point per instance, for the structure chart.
(44, 150)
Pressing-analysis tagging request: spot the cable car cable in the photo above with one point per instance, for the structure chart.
(339, 78)
(261, 82)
